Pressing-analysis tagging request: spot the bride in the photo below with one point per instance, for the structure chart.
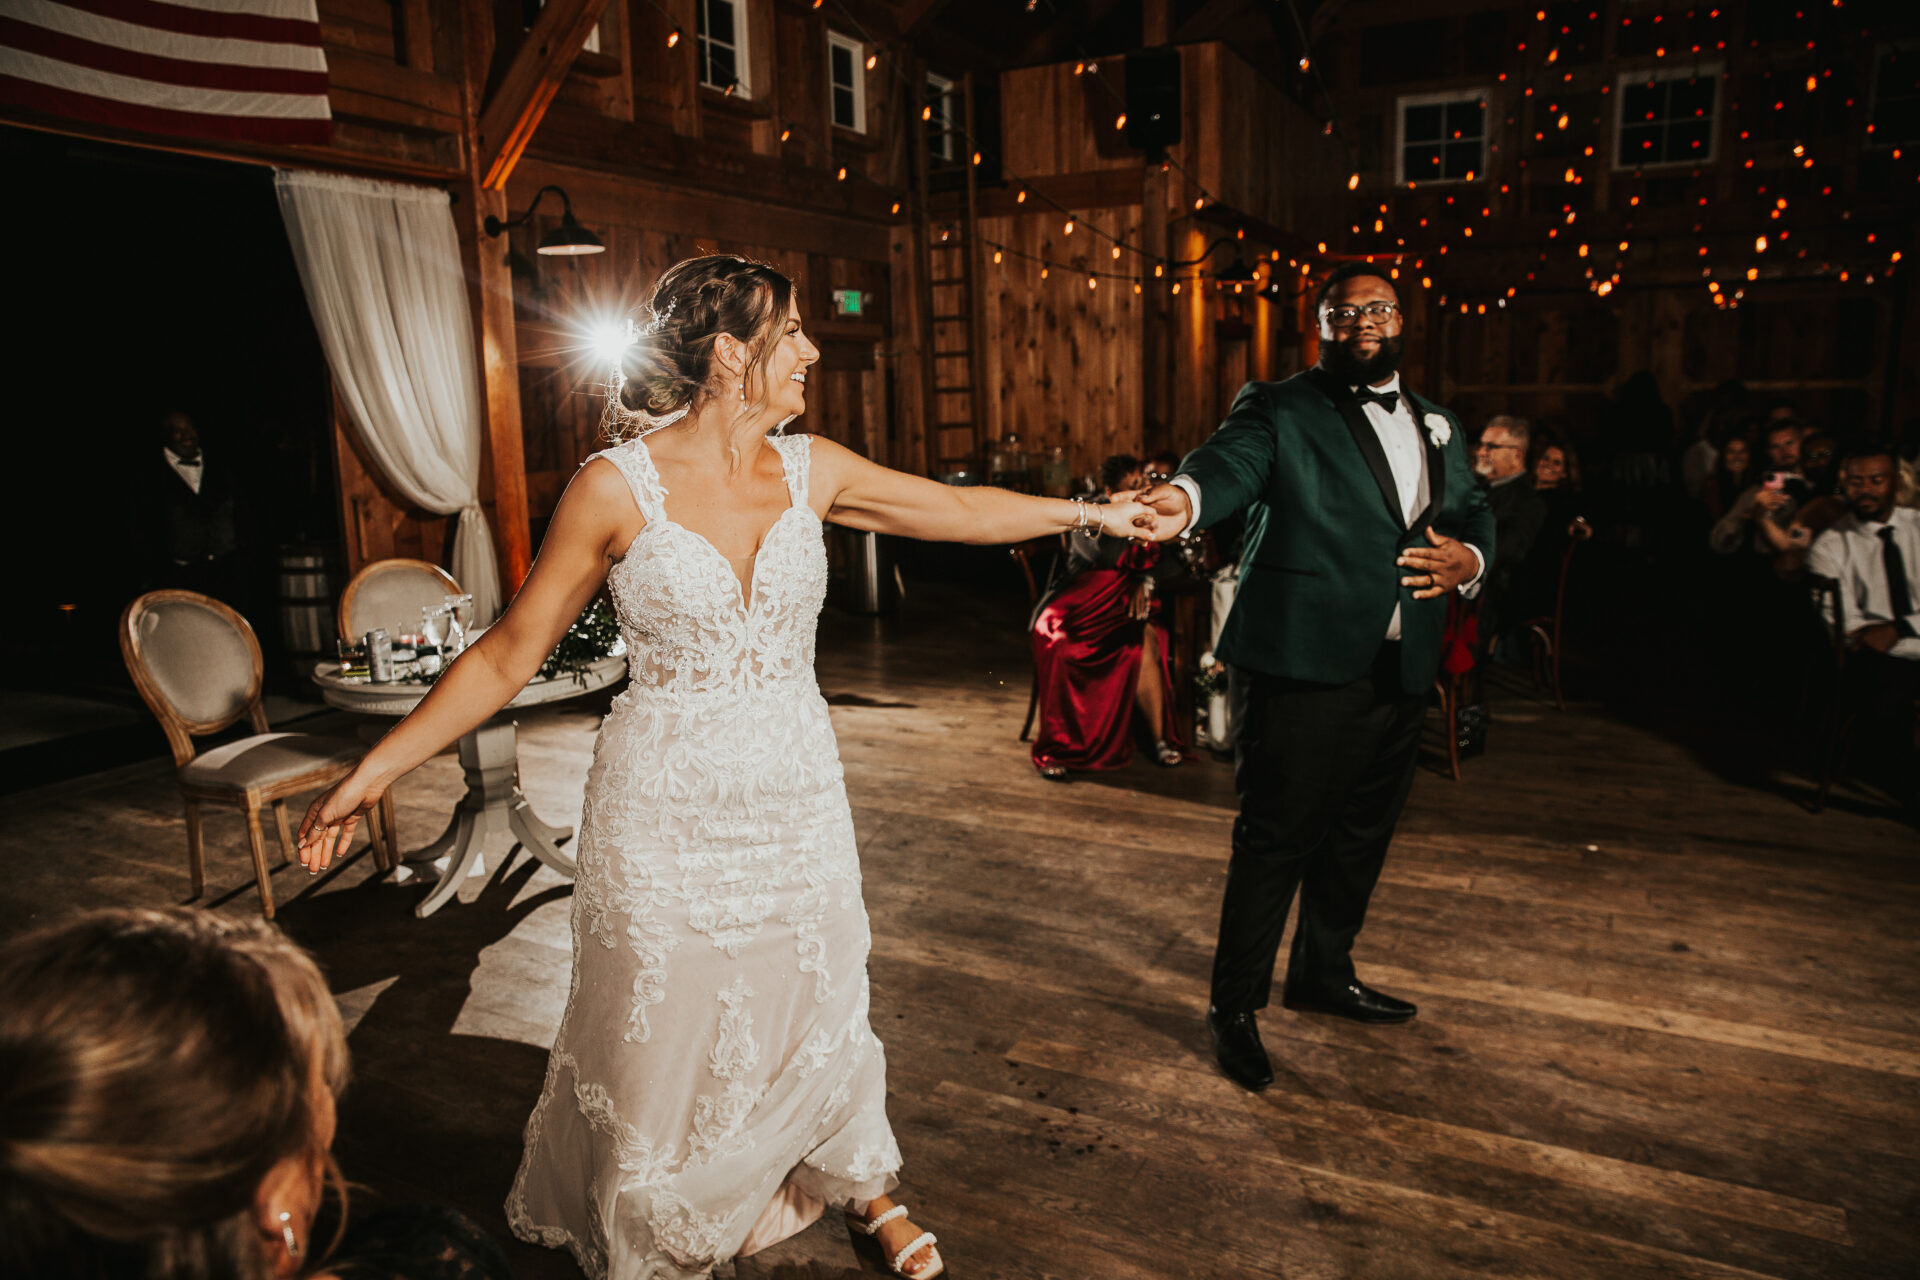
(715, 1083)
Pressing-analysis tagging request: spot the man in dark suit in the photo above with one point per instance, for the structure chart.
(187, 505)
(1362, 514)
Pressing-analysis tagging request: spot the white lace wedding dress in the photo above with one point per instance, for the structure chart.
(714, 1076)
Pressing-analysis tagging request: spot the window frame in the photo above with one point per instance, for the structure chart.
(858, 50)
(1481, 97)
(742, 62)
(1895, 44)
(944, 89)
(1713, 72)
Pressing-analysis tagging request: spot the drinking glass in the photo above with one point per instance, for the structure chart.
(458, 611)
(433, 631)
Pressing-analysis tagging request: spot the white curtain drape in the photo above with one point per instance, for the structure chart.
(381, 267)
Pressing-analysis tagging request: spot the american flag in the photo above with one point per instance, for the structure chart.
(229, 70)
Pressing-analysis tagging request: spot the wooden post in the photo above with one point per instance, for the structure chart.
(490, 297)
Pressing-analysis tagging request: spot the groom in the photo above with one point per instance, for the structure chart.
(1362, 514)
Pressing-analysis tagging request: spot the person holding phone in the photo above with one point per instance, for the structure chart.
(1778, 496)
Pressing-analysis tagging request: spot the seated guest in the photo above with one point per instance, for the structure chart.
(1519, 512)
(1731, 476)
(1820, 463)
(1775, 499)
(167, 1087)
(1873, 551)
(1100, 648)
(1161, 467)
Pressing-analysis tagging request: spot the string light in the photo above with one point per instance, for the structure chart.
(673, 38)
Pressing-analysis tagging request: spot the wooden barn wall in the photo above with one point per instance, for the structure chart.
(1104, 370)
(1063, 367)
(1559, 359)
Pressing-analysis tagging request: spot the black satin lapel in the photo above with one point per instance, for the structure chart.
(1355, 416)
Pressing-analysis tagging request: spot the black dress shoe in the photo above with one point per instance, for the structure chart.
(1236, 1042)
(1351, 999)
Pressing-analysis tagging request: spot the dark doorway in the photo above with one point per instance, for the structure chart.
(145, 283)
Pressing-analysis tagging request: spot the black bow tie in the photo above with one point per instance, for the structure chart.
(1387, 400)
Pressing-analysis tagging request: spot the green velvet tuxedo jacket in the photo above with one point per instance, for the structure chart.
(1318, 581)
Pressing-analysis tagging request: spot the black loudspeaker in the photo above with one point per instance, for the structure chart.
(1153, 99)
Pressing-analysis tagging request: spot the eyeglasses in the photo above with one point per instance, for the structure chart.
(1484, 447)
(1378, 312)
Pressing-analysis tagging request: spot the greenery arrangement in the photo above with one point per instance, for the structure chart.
(593, 636)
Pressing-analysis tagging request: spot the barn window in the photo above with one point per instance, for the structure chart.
(1443, 137)
(940, 124)
(1666, 117)
(847, 81)
(722, 29)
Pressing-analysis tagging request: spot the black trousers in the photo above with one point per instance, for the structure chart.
(1322, 772)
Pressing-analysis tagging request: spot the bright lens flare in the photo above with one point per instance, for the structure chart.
(611, 339)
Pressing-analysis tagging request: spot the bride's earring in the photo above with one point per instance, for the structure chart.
(287, 1237)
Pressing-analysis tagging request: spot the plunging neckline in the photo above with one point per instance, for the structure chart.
(746, 594)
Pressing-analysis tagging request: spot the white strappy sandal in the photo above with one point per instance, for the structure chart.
(925, 1240)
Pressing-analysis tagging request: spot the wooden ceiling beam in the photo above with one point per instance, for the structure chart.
(526, 91)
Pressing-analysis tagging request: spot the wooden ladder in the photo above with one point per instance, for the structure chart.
(951, 270)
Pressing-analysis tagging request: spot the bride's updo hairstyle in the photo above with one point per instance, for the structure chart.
(672, 367)
(154, 1067)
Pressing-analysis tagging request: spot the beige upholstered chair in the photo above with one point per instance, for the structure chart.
(391, 593)
(197, 665)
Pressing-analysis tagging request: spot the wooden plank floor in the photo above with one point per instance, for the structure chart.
(1669, 1027)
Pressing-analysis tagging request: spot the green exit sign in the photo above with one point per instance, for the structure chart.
(849, 302)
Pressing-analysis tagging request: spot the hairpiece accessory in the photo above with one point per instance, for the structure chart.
(659, 320)
(287, 1237)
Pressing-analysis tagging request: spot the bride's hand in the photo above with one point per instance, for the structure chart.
(1125, 518)
(328, 827)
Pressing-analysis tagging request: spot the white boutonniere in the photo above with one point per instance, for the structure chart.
(1438, 431)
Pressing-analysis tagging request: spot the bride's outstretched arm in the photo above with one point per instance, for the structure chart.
(580, 545)
(865, 495)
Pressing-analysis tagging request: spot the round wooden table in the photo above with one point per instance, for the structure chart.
(494, 810)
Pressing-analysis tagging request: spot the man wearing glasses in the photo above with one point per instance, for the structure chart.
(1519, 513)
(1362, 515)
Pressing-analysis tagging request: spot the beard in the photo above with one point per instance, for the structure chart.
(1338, 358)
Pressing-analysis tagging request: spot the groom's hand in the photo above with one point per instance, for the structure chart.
(1436, 570)
(1171, 510)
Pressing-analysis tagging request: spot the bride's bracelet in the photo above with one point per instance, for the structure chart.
(1088, 513)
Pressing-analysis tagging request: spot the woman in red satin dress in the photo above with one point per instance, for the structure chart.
(1100, 648)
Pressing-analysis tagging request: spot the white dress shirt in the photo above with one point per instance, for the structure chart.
(1399, 435)
(188, 471)
(1852, 552)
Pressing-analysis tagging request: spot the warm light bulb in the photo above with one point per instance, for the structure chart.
(1353, 182)
(843, 174)
(1069, 226)
(1176, 286)
(1120, 121)
(996, 257)
(873, 60)
(1760, 244)
(673, 38)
